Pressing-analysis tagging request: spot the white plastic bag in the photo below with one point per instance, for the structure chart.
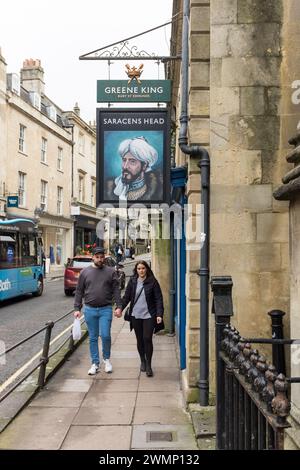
(76, 329)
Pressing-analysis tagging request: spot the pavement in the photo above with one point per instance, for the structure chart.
(124, 410)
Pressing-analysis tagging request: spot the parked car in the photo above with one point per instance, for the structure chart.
(79, 262)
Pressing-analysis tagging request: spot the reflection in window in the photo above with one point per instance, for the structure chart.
(8, 254)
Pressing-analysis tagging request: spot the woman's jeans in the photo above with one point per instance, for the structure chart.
(98, 319)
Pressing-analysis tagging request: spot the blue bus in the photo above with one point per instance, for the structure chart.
(21, 264)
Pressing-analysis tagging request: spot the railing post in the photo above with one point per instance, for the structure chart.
(44, 359)
(277, 333)
(221, 287)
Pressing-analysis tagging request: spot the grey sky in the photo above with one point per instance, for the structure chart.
(58, 31)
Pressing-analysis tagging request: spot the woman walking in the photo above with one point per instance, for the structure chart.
(145, 312)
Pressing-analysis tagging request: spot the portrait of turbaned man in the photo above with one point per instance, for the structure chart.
(135, 172)
(133, 157)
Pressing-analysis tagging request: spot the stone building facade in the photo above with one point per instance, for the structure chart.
(48, 159)
(243, 71)
(83, 181)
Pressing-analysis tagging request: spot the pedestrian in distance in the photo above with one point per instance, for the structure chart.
(98, 285)
(145, 313)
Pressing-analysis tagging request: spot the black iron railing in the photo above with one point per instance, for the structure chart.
(252, 393)
(44, 359)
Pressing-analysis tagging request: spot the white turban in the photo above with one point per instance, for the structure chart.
(139, 149)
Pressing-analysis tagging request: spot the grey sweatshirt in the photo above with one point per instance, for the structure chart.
(98, 287)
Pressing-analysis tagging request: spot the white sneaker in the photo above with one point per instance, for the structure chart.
(93, 370)
(108, 366)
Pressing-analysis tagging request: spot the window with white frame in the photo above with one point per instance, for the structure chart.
(22, 138)
(93, 152)
(81, 188)
(59, 200)
(22, 189)
(93, 194)
(44, 194)
(81, 143)
(44, 150)
(60, 158)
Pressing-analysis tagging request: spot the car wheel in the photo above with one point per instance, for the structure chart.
(40, 287)
(68, 292)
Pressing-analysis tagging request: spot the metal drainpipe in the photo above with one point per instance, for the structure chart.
(204, 164)
(172, 286)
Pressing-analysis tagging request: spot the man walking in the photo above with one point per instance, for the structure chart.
(98, 285)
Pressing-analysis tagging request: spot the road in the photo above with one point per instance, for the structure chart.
(21, 317)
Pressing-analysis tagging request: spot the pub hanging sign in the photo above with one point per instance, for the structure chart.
(112, 91)
(133, 154)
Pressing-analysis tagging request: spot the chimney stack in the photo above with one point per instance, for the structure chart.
(76, 109)
(32, 76)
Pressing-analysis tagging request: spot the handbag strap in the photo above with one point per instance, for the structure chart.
(138, 296)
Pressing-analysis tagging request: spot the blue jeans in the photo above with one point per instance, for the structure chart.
(99, 320)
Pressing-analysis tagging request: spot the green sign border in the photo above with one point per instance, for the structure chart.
(147, 91)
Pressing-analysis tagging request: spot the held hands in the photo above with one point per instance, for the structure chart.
(118, 312)
(77, 313)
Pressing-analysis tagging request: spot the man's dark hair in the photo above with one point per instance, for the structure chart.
(99, 250)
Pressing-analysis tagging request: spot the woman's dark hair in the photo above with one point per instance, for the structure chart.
(149, 272)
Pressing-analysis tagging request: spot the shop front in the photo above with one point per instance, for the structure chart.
(84, 232)
(56, 234)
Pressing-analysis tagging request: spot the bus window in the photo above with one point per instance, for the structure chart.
(8, 255)
(28, 249)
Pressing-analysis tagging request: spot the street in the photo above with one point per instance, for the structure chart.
(21, 317)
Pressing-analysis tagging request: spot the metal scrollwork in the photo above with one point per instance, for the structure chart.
(269, 391)
(260, 382)
(124, 50)
(253, 372)
(246, 364)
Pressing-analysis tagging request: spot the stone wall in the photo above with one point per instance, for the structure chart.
(249, 229)
(240, 108)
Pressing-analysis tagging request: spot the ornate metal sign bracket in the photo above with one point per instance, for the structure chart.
(123, 50)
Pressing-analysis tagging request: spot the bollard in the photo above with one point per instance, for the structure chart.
(44, 359)
(221, 287)
(278, 354)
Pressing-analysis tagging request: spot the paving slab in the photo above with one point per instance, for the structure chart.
(111, 400)
(121, 353)
(98, 438)
(38, 428)
(104, 416)
(157, 385)
(162, 399)
(69, 385)
(170, 373)
(117, 363)
(121, 373)
(55, 399)
(158, 362)
(160, 415)
(182, 437)
(115, 386)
